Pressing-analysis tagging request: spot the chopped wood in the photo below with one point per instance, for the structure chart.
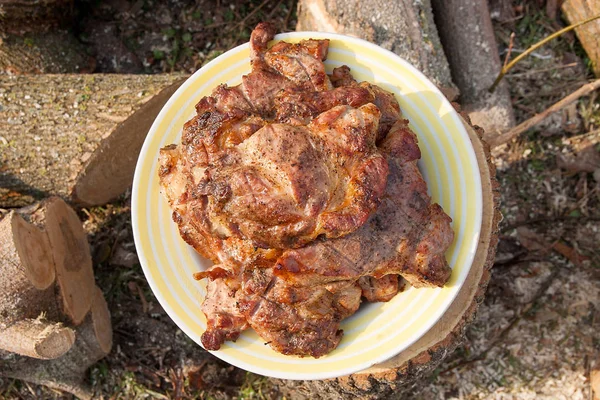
(101, 321)
(56, 139)
(23, 292)
(589, 34)
(497, 140)
(29, 313)
(26, 248)
(37, 338)
(73, 349)
(66, 373)
(72, 257)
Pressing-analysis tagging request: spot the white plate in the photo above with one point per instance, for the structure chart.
(377, 331)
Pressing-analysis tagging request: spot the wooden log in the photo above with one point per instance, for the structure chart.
(37, 338)
(405, 27)
(468, 38)
(76, 136)
(28, 309)
(101, 321)
(26, 253)
(72, 257)
(588, 34)
(399, 374)
(67, 373)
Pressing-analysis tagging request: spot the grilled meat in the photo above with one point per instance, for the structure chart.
(303, 189)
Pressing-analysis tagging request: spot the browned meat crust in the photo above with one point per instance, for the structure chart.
(303, 189)
(265, 161)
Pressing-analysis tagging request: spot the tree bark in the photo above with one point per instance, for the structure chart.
(588, 34)
(76, 136)
(468, 38)
(29, 316)
(395, 377)
(404, 27)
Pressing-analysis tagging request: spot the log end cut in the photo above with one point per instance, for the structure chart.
(101, 321)
(33, 247)
(37, 338)
(72, 258)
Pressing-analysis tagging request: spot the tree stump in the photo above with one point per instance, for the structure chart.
(76, 136)
(404, 27)
(393, 378)
(54, 321)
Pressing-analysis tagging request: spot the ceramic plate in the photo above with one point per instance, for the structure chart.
(377, 331)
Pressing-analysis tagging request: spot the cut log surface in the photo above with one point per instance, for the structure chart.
(101, 321)
(468, 39)
(52, 331)
(76, 136)
(27, 248)
(28, 306)
(71, 254)
(588, 34)
(404, 27)
(393, 378)
(26, 272)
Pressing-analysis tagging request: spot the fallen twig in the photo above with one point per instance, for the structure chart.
(541, 70)
(536, 46)
(495, 141)
(510, 47)
(548, 220)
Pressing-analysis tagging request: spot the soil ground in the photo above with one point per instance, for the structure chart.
(537, 335)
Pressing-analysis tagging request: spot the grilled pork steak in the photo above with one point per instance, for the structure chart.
(407, 235)
(300, 296)
(285, 185)
(303, 189)
(283, 158)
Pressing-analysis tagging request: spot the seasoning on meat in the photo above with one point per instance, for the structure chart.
(303, 190)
